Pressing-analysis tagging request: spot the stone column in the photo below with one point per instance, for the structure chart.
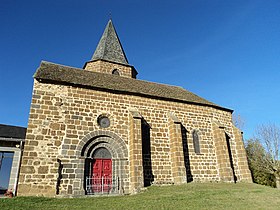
(135, 153)
(224, 166)
(178, 167)
(245, 174)
(78, 182)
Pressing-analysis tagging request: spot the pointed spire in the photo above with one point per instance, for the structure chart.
(109, 47)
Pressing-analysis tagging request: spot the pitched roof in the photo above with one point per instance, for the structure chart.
(55, 73)
(109, 47)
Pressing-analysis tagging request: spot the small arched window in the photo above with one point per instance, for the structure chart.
(196, 142)
(116, 72)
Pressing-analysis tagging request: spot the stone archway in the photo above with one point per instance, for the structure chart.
(118, 151)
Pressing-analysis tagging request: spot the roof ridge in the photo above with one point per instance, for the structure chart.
(58, 64)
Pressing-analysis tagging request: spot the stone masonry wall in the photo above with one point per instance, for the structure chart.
(108, 67)
(61, 116)
(244, 172)
(223, 156)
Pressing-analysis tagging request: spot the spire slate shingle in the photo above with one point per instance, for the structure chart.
(109, 47)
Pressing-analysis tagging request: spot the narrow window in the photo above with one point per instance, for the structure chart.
(116, 72)
(196, 142)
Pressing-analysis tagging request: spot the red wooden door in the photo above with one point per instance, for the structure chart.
(102, 175)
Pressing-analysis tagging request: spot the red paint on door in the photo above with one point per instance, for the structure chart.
(102, 175)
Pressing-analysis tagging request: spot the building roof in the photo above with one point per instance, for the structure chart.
(55, 73)
(109, 47)
(9, 131)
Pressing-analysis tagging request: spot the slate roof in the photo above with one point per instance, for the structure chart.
(55, 73)
(9, 131)
(109, 47)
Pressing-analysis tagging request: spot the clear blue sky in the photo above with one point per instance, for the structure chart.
(225, 51)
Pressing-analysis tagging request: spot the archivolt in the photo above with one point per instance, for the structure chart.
(98, 139)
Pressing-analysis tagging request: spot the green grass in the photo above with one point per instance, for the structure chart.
(187, 196)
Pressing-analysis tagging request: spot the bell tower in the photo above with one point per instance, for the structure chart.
(109, 56)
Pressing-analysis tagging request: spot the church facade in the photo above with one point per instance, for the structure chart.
(99, 130)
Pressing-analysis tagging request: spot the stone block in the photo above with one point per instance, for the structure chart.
(27, 170)
(43, 169)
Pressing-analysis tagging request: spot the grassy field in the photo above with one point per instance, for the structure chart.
(187, 196)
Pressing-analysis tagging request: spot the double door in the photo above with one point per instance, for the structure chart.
(102, 175)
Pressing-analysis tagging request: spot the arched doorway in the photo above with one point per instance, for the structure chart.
(102, 171)
(98, 172)
(102, 145)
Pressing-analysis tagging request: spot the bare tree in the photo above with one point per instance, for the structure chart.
(238, 121)
(257, 157)
(269, 135)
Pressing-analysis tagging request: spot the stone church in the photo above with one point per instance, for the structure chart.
(100, 130)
